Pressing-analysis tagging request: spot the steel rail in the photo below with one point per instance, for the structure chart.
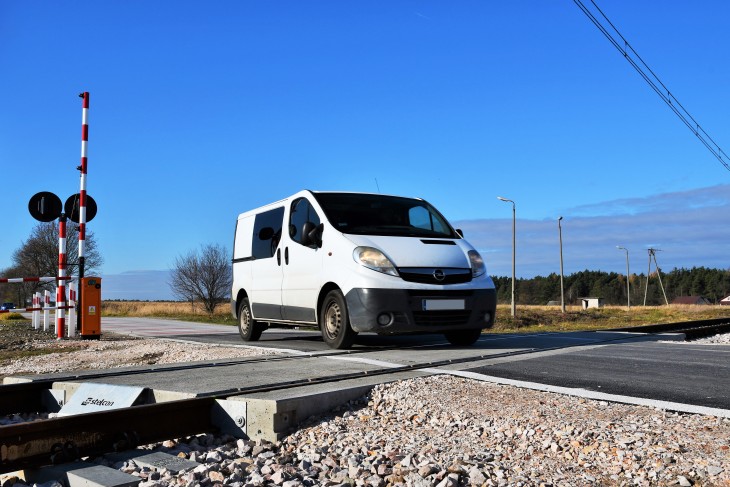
(69, 438)
(673, 327)
(692, 329)
(705, 331)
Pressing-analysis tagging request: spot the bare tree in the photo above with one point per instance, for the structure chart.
(203, 275)
(38, 257)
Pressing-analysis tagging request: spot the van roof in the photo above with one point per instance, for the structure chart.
(364, 192)
(305, 191)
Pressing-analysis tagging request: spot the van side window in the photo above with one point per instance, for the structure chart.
(301, 213)
(267, 233)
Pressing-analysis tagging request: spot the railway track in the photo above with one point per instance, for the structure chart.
(66, 439)
(691, 329)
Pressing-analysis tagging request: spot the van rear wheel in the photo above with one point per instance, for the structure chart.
(463, 337)
(335, 322)
(249, 329)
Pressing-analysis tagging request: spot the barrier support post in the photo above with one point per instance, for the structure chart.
(46, 311)
(35, 315)
(71, 324)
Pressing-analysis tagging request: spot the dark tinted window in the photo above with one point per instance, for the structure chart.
(267, 233)
(374, 214)
(301, 213)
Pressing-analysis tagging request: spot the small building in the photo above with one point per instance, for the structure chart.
(693, 300)
(591, 303)
(725, 301)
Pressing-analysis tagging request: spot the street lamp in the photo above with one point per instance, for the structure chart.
(628, 288)
(513, 251)
(562, 292)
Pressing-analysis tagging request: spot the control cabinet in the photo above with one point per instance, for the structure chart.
(90, 311)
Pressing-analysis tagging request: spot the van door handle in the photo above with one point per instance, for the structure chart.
(286, 255)
(278, 256)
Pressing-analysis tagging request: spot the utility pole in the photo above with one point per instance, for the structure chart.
(562, 292)
(514, 249)
(652, 255)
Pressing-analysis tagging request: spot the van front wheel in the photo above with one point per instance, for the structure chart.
(334, 321)
(249, 329)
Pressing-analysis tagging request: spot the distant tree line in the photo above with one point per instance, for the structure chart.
(712, 284)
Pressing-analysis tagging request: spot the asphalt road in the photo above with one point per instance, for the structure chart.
(605, 363)
(676, 371)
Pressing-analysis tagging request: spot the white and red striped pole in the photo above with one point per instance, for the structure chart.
(82, 196)
(35, 316)
(46, 311)
(82, 190)
(71, 328)
(61, 289)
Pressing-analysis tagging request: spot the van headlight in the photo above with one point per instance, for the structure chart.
(478, 267)
(374, 259)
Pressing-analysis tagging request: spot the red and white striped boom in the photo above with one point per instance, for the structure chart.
(4, 280)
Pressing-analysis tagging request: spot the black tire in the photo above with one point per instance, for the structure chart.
(334, 322)
(249, 329)
(463, 337)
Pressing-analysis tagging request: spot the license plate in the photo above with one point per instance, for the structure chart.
(442, 304)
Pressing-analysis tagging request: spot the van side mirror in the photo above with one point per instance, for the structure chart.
(266, 233)
(312, 234)
(460, 232)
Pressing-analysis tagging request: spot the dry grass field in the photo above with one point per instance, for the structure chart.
(528, 319)
(169, 309)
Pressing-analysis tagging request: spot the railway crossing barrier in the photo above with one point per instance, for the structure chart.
(80, 208)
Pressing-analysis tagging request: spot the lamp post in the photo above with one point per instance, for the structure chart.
(513, 251)
(628, 287)
(562, 292)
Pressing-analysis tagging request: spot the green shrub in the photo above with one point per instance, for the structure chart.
(11, 316)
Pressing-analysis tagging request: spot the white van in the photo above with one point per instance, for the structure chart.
(358, 262)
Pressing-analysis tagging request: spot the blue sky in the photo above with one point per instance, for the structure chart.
(202, 110)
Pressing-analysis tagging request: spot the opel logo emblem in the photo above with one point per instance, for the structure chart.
(439, 275)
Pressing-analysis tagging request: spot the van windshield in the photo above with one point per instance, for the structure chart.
(374, 214)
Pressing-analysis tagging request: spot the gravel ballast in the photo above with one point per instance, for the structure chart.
(444, 431)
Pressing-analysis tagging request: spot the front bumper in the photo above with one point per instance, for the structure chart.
(405, 310)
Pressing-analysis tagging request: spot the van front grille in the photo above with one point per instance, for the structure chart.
(431, 275)
(440, 293)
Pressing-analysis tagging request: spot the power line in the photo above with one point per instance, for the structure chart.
(623, 46)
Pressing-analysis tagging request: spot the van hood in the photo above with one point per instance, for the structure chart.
(413, 252)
